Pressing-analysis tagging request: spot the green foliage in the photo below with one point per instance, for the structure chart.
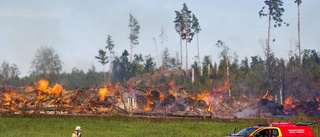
(8, 71)
(102, 57)
(121, 68)
(137, 66)
(134, 30)
(298, 2)
(46, 62)
(149, 65)
(184, 23)
(195, 24)
(274, 10)
(48, 126)
(110, 44)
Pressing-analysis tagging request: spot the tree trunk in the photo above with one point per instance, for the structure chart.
(181, 50)
(299, 34)
(280, 93)
(104, 75)
(186, 52)
(192, 78)
(227, 63)
(180, 45)
(198, 50)
(109, 77)
(131, 45)
(268, 41)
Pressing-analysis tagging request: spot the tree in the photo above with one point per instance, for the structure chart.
(46, 62)
(257, 76)
(207, 65)
(274, 12)
(149, 65)
(77, 78)
(225, 55)
(121, 68)
(186, 13)
(183, 25)
(136, 66)
(8, 73)
(109, 47)
(179, 28)
(166, 59)
(103, 59)
(197, 29)
(163, 37)
(134, 31)
(299, 44)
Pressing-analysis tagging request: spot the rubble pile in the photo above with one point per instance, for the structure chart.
(123, 99)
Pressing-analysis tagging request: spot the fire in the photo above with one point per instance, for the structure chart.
(7, 98)
(171, 84)
(147, 106)
(288, 103)
(152, 96)
(57, 90)
(103, 93)
(265, 95)
(224, 88)
(173, 93)
(42, 85)
(161, 96)
(318, 100)
(205, 96)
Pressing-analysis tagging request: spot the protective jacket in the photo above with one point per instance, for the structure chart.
(76, 134)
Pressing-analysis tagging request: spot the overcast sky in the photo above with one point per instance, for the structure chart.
(76, 29)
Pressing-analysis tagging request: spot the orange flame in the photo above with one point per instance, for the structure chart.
(147, 106)
(205, 96)
(265, 95)
(318, 100)
(171, 84)
(173, 93)
(7, 98)
(42, 84)
(288, 104)
(57, 90)
(161, 96)
(103, 93)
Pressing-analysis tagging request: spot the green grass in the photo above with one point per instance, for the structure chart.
(118, 126)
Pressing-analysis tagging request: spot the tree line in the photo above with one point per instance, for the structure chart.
(297, 75)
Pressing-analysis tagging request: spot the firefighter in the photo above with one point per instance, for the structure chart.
(77, 132)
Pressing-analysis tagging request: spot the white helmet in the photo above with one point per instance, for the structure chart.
(78, 128)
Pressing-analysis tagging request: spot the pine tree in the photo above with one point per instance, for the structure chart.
(134, 31)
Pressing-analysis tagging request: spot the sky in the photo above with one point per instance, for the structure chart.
(77, 29)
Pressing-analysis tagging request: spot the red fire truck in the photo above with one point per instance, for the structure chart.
(277, 129)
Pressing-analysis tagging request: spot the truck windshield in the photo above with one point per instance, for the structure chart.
(246, 131)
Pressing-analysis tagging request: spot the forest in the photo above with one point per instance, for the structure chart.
(297, 76)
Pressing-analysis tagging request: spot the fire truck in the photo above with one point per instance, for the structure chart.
(277, 129)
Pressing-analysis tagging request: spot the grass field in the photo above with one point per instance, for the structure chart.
(120, 126)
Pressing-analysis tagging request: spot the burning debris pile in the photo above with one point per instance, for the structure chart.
(164, 100)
